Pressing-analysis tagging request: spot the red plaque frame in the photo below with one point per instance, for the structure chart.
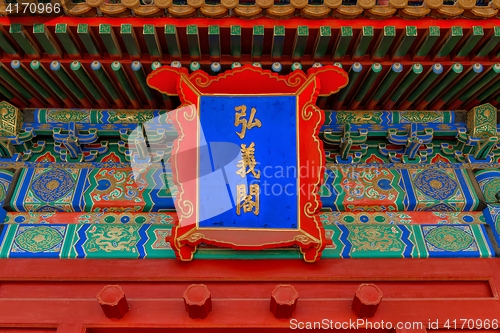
(187, 234)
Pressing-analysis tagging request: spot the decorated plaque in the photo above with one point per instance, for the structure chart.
(248, 162)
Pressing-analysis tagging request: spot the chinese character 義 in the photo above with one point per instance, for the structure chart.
(247, 163)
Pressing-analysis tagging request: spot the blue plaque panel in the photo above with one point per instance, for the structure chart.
(248, 162)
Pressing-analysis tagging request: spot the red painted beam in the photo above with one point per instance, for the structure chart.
(243, 270)
(63, 292)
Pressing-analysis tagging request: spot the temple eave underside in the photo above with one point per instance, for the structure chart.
(411, 149)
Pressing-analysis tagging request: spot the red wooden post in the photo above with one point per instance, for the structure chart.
(366, 300)
(113, 302)
(198, 301)
(284, 301)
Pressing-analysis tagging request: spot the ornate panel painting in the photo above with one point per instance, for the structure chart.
(390, 190)
(248, 162)
(90, 190)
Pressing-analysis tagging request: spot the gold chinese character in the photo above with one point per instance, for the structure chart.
(241, 113)
(247, 163)
(247, 201)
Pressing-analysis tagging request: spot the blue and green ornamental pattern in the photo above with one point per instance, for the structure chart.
(379, 199)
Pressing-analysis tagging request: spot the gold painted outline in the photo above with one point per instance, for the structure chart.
(316, 243)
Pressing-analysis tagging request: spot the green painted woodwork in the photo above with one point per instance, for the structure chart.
(193, 40)
(235, 41)
(278, 42)
(65, 36)
(110, 41)
(18, 33)
(300, 42)
(476, 34)
(88, 40)
(47, 41)
(384, 43)
(214, 41)
(43, 75)
(452, 38)
(433, 34)
(172, 39)
(491, 44)
(344, 40)
(322, 41)
(257, 41)
(152, 42)
(409, 36)
(121, 76)
(453, 73)
(4, 74)
(363, 42)
(85, 79)
(129, 38)
(368, 82)
(21, 70)
(6, 45)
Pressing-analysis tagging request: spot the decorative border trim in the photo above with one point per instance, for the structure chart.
(186, 235)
